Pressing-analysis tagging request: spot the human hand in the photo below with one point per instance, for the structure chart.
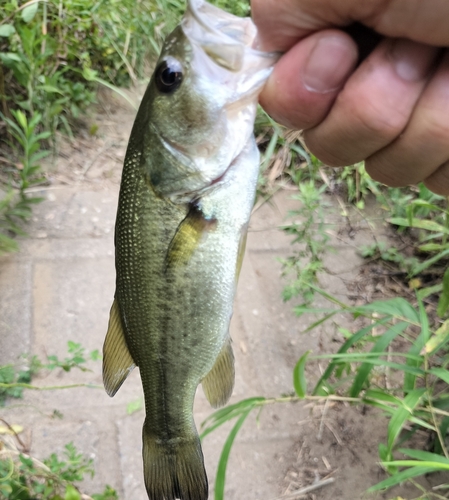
(391, 111)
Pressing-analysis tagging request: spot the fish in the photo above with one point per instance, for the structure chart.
(187, 190)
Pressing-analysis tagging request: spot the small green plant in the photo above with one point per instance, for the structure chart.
(77, 359)
(425, 219)
(309, 229)
(23, 477)
(16, 204)
(380, 250)
(13, 381)
(358, 184)
(9, 377)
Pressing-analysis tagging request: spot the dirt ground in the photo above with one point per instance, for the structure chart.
(294, 445)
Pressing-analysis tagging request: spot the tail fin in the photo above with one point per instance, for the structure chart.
(174, 470)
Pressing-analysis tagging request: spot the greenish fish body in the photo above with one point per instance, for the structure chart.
(186, 194)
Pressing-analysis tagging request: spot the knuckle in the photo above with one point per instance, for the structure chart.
(376, 119)
(436, 127)
(381, 170)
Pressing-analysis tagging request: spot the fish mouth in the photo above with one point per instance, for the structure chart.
(227, 39)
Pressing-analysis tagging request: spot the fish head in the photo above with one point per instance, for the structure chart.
(202, 99)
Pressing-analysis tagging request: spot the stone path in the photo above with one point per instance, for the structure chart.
(59, 288)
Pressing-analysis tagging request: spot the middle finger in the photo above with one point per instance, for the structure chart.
(375, 105)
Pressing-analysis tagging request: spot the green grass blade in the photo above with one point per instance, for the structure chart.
(380, 395)
(429, 262)
(380, 346)
(443, 303)
(269, 151)
(222, 416)
(418, 463)
(400, 477)
(441, 373)
(397, 308)
(223, 462)
(424, 455)
(299, 378)
(401, 416)
(319, 390)
(318, 322)
(417, 347)
(429, 225)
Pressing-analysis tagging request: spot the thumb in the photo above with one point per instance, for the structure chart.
(307, 79)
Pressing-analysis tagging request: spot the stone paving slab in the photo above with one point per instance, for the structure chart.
(15, 309)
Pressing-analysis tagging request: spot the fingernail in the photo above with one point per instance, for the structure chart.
(328, 64)
(412, 61)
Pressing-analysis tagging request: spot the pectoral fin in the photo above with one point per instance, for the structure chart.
(187, 237)
(219, 382)
(117, 361)
(241, 252)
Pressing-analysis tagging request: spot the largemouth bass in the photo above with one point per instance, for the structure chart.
(186, 194)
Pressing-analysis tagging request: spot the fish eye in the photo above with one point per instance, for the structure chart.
(168, 76)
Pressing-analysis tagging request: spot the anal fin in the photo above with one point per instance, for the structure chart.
(117, 360)
(219, 382)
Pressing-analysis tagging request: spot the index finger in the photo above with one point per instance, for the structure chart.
(281, 23)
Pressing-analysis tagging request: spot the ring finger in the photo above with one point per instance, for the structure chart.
(424, 145)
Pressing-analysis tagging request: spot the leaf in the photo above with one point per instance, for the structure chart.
(424, 455)
(441, 373)
(431, 247)
(223, 462)
(401, 415)
(19, 115)
(417, 347)
(379, 395)
(29, 12)
(400, 477)
(437, 340)
(50, 89)
(71, 493)
(429, 225)
(319, 390)
(427, 263)
(443, 303)
(380, 346)
(220, 417)
(436, 466)
(7, 30)
(299, 378)
(397, 308)
(9, 57)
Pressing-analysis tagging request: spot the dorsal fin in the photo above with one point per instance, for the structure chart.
(117, 360)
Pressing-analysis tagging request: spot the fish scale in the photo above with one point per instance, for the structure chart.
(186, 195)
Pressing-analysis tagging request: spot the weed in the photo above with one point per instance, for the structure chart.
(406, 352)
(13, 381)
(26, 478)
(309, 229)
(379, 250)
(76, 360)
(16, 204)
(9, 376)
